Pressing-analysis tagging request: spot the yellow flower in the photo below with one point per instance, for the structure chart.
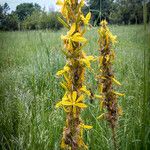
(75, 37)
(107, 57)
(82, 3)
(86, 60)
(102, 77)
(59, 104)
(86, 19)
(80, 141)
(59, 2)
(73, 101)
(113, 38)
(63, 5)
(65, 69)
(63, 145)
(84, 89)
(103, 23)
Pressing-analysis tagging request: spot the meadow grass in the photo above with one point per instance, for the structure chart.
(29, 90)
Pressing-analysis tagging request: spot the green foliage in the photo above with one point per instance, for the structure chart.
(50, 21)
(42, 20)
(29, 91)
(32, 21)
(26, 9)
(29, 17)
(7, 21)
(10, 22)
(100, 9)
(116, 11)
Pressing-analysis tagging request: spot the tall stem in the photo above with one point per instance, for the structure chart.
(107, 78)
(73, 73)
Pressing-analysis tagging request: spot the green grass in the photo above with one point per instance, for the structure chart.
(29, 90)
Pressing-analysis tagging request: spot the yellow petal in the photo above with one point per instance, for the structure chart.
(66, 110)
(73, 27)
(69, 97)
(102, 77)
(78, 38)
(81, 143)
(65, 69)
(119, 94)
(65, 96)
(66, 103)
(90, 58)
(87, 18)
(60, 72)
(74, 96)
(86, 126)
(81, 105)
(59, 2)
(117, 82)
(103, 23)
(66, 78)
(80, 99)
(64, 11)
(63, 145)
(85, 90)
(86, 61)
(107, 57)
(58, 104)
(82, 3)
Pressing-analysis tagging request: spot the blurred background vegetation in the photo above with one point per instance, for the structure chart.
(29, 16)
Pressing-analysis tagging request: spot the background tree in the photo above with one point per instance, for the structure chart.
(100, 9)
(3, 16)
(116, 11)
(26, 9)
(30, 16)
(42, 20)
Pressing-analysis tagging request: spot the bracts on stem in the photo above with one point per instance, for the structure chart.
(107, 78)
